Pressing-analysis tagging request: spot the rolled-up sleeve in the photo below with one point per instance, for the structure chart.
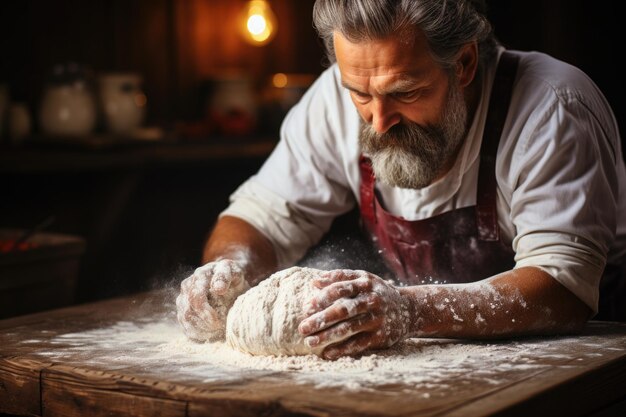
(290, 232)
(564, 203)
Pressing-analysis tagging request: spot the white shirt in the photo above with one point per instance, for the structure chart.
(559, 168)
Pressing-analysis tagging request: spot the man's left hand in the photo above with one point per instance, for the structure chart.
(353, 312)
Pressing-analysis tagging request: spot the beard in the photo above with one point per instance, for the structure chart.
(412, 156)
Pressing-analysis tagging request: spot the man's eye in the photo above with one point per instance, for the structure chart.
(407, 95)
(360, 96)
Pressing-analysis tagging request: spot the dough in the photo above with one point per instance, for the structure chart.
(265, 319)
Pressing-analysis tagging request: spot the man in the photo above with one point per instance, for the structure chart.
(497, 172)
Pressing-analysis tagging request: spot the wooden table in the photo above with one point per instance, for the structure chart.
(61, 363)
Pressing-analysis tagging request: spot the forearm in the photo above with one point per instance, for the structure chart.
(519, 302)
(233, 238)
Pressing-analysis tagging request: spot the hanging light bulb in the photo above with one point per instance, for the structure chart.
(259, 22)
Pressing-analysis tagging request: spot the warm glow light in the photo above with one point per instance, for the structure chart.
(256, 24)
(259, 22)
(280, 80)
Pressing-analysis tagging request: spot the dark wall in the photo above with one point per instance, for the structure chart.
(584, 33)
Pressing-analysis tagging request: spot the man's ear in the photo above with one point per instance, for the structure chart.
(467, 64)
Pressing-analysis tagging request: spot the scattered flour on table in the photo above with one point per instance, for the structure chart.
(428, 365)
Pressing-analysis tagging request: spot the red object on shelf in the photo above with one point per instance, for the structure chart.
(8, 245)
(234, 122)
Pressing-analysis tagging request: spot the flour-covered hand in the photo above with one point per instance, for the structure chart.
(206, 296)
(353, 312)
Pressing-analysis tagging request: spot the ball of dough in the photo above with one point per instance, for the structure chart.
(265, 319)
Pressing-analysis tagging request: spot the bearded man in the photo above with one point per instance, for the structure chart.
(496, 173)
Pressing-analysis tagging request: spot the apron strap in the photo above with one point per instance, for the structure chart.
(501, 91)
(368, 180)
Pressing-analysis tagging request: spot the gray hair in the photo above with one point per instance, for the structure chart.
(447, 24)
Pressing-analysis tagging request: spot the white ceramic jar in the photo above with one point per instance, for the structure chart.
(123, 102)
(68, 110)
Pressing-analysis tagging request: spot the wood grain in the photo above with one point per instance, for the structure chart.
(64, 394)
(582, 389)
(19, 386)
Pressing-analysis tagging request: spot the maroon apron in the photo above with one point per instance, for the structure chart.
(461, 245)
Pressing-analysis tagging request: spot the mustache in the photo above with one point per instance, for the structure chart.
(406, 136)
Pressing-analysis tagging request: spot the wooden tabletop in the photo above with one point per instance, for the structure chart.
(117, 358)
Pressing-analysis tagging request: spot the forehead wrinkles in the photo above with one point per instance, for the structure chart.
(385, 84)
(364, 61)
(385, 63)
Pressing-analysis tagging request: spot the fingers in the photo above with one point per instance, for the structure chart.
(337, 275)
(197, 294)
(194, 312)
(225, 275)
(192, 325)
(221, 278)
(193, 303)
(341, 310)
(353, 346)
(335, 291)
(339, 332)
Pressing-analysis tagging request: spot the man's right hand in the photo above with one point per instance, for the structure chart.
(206, 296)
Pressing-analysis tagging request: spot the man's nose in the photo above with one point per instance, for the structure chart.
(384, 116)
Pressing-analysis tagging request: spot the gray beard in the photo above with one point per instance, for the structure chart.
(411, 156)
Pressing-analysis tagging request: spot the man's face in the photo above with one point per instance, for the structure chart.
(414, 112)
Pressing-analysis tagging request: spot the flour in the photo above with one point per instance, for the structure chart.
(426, 367)
(145, 340)
(264, 320)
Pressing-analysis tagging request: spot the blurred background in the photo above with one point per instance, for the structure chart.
(126, 124)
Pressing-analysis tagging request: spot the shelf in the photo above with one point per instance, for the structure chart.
(105, 153)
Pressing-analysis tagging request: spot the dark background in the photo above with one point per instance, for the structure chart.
(153, 231)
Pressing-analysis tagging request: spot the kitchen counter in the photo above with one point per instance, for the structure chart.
(127, 357)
